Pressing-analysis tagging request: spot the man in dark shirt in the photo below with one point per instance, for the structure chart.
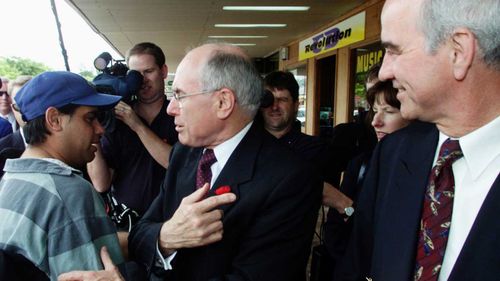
(134, 157)
(280, 120)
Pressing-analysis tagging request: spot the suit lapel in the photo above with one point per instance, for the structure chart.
(186, 176)
(238, 169)
(413, 171)
(404, 203)
(240, 166)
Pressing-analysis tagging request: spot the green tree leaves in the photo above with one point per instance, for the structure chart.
(11, 67)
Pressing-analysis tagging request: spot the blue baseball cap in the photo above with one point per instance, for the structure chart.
(57, 89)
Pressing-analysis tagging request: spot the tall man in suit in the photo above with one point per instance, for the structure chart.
(443, 57)
(262, 229)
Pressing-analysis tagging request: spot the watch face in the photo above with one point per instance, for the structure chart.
(349, 211)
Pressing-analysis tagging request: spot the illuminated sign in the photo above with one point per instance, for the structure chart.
(343, 34)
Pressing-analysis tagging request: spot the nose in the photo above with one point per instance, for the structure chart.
(377, 121)
(173, 107)
(98, 128)
(386, 71)
(275, 104)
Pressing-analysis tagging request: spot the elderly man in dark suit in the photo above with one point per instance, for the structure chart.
(414, 223)
(262, 229)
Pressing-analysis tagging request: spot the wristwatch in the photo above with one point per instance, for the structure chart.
(348, 211)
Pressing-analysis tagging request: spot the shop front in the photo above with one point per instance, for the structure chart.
(331, 64)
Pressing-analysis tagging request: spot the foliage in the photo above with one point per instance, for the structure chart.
(87, 74)
(11, 67)
(360, 91)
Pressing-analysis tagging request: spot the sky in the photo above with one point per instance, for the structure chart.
(28, 30)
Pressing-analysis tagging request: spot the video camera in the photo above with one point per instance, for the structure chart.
(116, 79)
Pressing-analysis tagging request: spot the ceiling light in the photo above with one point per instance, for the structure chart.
(243, 44)
(267, 8)
(251, 25)
(238, 36)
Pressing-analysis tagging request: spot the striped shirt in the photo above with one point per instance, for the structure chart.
(50, 214)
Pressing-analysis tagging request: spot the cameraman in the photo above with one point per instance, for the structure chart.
(133, 158)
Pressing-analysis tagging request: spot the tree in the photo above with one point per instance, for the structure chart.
(11, 67)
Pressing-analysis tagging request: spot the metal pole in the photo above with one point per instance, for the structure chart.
(61, 41)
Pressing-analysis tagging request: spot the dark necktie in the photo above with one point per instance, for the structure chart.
(204, 173)
(436, 213)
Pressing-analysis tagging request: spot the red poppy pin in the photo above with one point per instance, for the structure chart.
(223, 189)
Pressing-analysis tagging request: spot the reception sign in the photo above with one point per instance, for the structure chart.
(342, 34)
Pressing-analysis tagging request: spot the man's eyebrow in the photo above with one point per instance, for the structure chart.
(93, 112)
(390, 46)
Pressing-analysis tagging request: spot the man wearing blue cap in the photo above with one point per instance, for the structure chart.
(48, 212)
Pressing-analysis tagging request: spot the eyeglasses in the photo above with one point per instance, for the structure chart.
(178, 96)
(4, 93)
(15, 107)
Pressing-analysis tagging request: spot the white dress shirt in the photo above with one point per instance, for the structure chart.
(474, 175)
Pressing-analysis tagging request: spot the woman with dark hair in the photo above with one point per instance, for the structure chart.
(384, 109)
(386, 119)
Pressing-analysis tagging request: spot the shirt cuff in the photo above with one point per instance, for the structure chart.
(164, 262)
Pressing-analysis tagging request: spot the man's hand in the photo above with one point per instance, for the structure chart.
(127, 115)
(156, 147)
(195, 223)
(110, 272)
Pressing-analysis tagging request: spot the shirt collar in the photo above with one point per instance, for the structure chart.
(480, 147)
(224, 150)
(54, 166)
(8, 116)
(61, 163)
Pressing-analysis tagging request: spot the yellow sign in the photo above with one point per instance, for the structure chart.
(367, 60)
(343, 34)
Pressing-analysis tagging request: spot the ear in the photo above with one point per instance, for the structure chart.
(296, 106)
(164, 71)
(464, 50)
(226, 101)
(53, 120)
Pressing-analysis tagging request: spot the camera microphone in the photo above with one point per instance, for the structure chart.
(102, 61)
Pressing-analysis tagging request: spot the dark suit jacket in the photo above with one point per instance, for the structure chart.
(15, 267)
(267, 231)
(11, 146)
(5, 128)
(389, 210)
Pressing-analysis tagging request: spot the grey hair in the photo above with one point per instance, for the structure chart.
(440, 17)
(19, 82)
(226, 69)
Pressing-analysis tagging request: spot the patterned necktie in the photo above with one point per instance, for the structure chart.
(204, 173)
(436, 213)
